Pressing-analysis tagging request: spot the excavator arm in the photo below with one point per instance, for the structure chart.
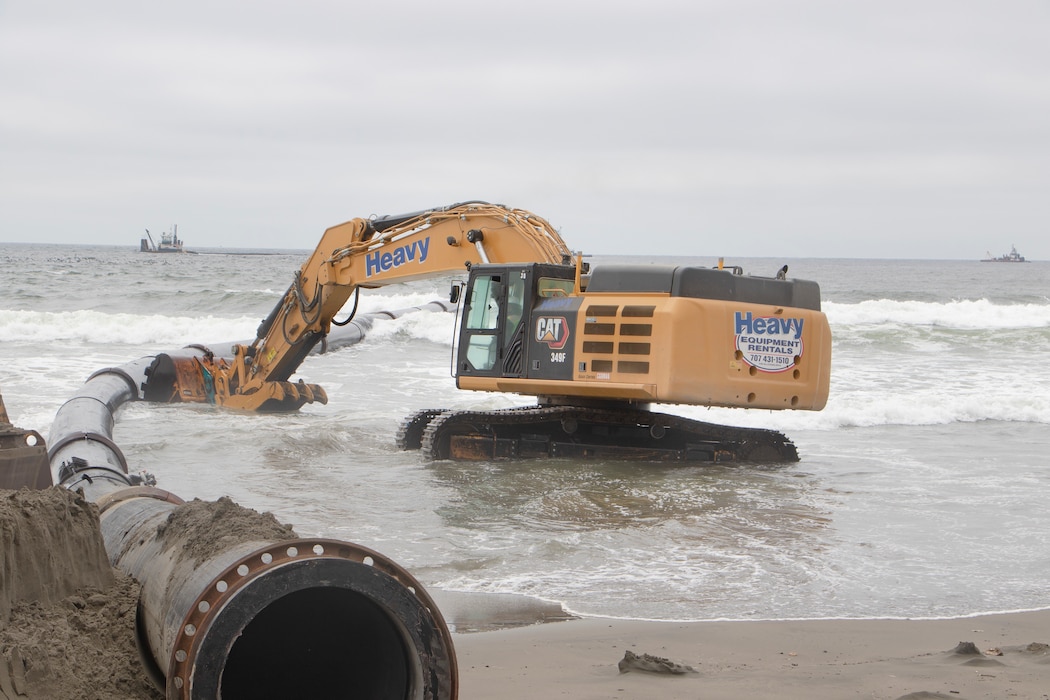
(361, 253)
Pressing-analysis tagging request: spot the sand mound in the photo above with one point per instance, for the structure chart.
(67, 619)
(210, 527)
(52, 547)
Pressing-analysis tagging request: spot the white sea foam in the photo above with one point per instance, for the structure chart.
(371, 301)
(121, 328)
(868, 409)
(435, 327)
(964, 314)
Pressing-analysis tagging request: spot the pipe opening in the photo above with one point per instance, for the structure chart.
(316, 628)
(319, 643)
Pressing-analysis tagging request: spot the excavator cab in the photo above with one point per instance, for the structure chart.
(500, 305)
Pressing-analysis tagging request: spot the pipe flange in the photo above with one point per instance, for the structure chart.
(207, 607)
(85, 436)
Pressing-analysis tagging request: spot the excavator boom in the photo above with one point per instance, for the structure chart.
(361, 253)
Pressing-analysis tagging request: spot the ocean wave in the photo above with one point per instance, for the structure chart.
(964, 314)
(121, 328)
(860, 409)
(141, 329)
(429, 326)
(908, 388)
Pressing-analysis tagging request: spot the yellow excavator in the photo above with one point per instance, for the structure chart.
(596, 347)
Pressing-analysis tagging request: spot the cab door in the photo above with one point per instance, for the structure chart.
(479, 340)
(490, 339)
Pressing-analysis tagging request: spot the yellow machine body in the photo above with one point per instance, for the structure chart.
(649, 334)
(676, 350)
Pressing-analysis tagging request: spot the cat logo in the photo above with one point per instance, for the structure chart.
(552, 330)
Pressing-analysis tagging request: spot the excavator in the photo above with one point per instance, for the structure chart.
(596, 347)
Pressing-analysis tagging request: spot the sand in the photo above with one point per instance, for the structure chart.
(811, 660)
(67, 631)
(50, 546)
(67, 618)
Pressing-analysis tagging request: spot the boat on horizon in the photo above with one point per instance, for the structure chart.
(1012, 256)
(169, 242)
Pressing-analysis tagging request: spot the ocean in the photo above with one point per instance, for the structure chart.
(922, 489)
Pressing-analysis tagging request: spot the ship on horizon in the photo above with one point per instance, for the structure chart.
(1012, 256)
(169, 242)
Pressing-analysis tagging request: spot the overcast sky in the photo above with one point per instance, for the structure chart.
(828, 128)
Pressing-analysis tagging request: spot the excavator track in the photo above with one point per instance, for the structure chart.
(410, 432)
(584, 432)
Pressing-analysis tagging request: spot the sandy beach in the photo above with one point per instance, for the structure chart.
(63, 616)
(815, 660)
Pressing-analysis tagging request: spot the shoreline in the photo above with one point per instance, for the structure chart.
(824, 659)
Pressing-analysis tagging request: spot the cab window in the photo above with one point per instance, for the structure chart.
(483, 318)
(484, 303)
(552, 287)
(515, 304)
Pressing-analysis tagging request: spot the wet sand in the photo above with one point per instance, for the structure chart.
(814, 660)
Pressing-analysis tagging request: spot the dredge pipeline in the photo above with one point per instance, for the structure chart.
(234, 605)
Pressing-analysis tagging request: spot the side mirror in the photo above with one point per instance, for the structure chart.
(454, 292)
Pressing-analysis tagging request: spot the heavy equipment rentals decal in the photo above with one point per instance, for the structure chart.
(768, 343)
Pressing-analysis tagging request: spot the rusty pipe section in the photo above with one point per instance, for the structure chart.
(234, 605)
(223, 614)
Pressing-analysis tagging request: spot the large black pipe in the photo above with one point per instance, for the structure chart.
(247, 618)
(236, 612)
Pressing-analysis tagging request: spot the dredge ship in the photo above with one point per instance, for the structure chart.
(169, 242)
(1012, 257)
